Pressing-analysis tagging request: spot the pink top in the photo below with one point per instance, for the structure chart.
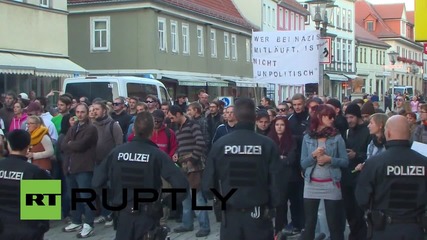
(414, 106)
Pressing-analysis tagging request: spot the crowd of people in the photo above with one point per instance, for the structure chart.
(322, 143)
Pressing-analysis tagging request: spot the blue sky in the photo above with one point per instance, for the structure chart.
(408, 3)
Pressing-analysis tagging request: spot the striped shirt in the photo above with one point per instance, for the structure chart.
(190, 140)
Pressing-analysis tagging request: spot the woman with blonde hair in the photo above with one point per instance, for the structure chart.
(41, 146)
(376, 129)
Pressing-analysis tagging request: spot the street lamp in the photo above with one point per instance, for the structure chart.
(393, 58)
(320, 18)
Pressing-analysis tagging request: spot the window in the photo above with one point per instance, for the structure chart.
(141, 90)
(361, 55)
(376, 57)
(44, 3)
(296, 22)
(185, 39)
(371, 56)
(174, 37)
(273, 22)
(302, 21)
(383, 58)
(349, 20)
(264, 14)
(286, 19)
(161, 29)
(349, 52)
(344, 52)
(248, 50)
(292, 21)
(200, 47)
(233, 47)
(100, 33)
(398, 50)
(226, 46)
(268, 16)
(338, 54)
(338, 18)
(370, 26)
(344, 18)
(281, 17)
(364, 57)
(213, 43)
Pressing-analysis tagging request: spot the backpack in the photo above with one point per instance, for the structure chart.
(111, 131)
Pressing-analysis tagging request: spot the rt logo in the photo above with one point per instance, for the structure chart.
(40, 199)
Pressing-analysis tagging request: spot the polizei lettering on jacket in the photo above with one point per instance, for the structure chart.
(12, 175)
(243, 150)
(133, 157)
(405, 171)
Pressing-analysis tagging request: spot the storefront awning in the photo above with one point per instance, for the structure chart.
(351, 76)
(14, 63)
(337, 77)
(241, 82)
(214, 82)
(186, 80)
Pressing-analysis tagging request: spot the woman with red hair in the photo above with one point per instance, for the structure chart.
(323, 155)
(281, 134)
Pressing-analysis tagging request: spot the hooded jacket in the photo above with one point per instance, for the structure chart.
(167, 145)
(16, 122)
(108, 137)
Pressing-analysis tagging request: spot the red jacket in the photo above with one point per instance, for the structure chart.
(160, 138)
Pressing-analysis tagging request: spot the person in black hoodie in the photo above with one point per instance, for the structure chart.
(298, 123)
(340, 122)
(357, 139)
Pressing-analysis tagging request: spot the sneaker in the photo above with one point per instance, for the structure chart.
(72, 227)
(181, 229)
(109, 222)
(291, 232)
(86, 231)
(99, 219)
(202, 233)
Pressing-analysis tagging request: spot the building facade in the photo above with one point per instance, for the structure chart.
(371, 56)
(188, 45)
(392, 24)
(34, 46)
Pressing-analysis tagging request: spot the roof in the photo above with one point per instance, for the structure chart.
(390, 11)
(410, 17)
(364, 36)
(365, 9)
(223, 10)
(294, 5)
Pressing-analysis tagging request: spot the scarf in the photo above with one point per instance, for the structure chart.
(379, 143)
(37, 135)
(326, 132)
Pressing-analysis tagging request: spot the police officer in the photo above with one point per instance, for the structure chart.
(392, 186)
(13, 169)
(138, 166)
(245, 168)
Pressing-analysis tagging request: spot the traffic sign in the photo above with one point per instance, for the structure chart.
(325, 50)
(228, 100)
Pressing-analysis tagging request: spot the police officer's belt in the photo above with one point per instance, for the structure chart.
(231, 208)
(396, 220)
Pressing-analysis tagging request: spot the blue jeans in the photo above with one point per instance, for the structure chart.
(81, 180)
(187, 212)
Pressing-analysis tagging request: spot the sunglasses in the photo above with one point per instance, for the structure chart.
(282, 109)
(149, 101)
(117, 104)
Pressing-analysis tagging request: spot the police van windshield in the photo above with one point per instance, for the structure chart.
(105, 90)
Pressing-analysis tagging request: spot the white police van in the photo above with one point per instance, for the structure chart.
(111, 87)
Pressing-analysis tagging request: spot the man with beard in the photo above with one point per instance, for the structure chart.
(357, 139)
(6, 113)
(110, 135)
